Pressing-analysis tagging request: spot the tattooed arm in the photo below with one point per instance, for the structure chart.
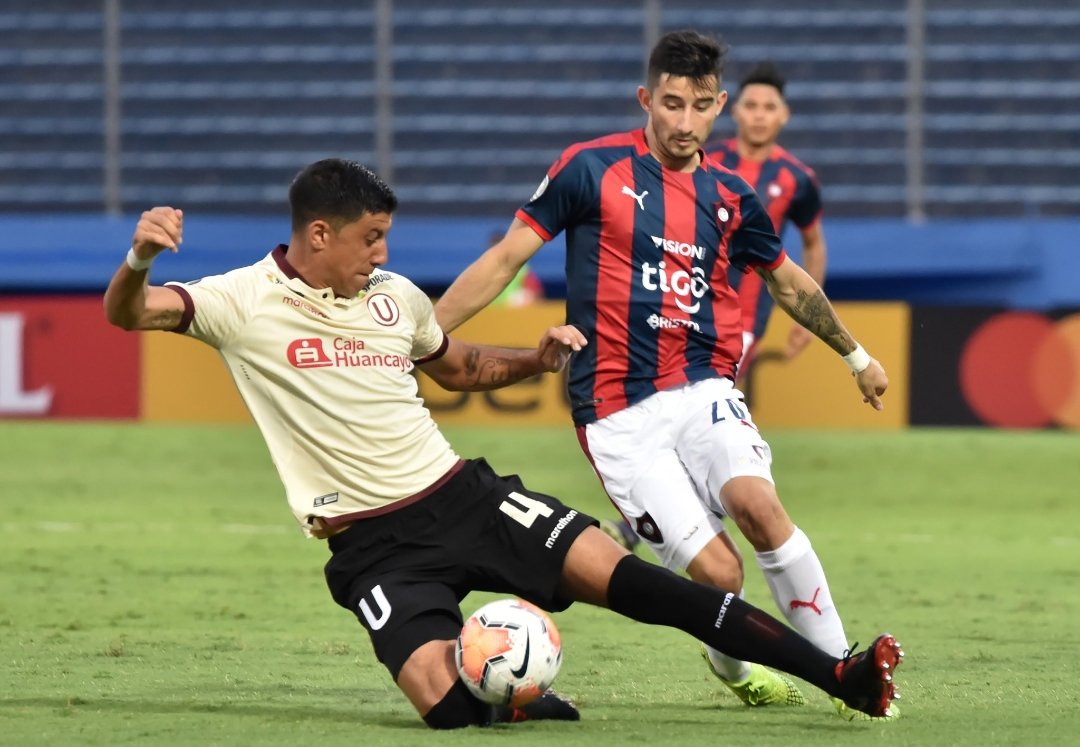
(813, 261)
(130, 302)
(803, 300)
(466, 367)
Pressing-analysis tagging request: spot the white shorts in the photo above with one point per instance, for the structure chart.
(664, 460)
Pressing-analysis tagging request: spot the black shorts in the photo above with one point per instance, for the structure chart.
(404, 574)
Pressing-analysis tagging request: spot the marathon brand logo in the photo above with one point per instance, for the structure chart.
(345, 352)
(559, 526)
(299, 303)
(723, 610)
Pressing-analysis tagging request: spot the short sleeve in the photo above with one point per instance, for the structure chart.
(216, 307)
(563, 197)
(429, 341)
(754, 243)
(806, 205)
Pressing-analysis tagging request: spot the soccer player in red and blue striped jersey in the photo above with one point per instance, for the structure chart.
(678, 234)
(653, 228)
(787, 187)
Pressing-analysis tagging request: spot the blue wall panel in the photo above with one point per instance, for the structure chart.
(1019, 263)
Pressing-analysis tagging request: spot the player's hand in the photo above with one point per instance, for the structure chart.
(798, 338)
(557, 344)
(158, 229)
(872, 382)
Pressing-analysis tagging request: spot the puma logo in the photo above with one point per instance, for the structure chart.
(520, 671)
(639, 198)
(812, 604)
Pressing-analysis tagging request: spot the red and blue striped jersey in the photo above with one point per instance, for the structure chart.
(789, 190)
(648, 252)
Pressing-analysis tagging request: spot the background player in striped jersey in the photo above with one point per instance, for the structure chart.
(321, 343)
(788, 188)
(652, 228)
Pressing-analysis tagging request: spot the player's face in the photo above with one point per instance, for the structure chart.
(681, 116)
(759, 113)
(352, 254)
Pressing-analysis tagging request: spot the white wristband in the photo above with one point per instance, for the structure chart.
(138, 264)
(858, 359)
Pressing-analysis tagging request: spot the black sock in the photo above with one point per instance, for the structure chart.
(459, 708)
(651, 594)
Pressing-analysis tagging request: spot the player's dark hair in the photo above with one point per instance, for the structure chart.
(765, 74)
(687, 54)
(339, 192)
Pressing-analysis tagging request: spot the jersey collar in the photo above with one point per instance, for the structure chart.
(299, 282)
(642, 147)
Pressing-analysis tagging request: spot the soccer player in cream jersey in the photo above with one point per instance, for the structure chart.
(321, 343)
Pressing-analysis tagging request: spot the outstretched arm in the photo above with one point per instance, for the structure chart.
(466, 367)
(485, 278)
(803, 300)
(130, 301)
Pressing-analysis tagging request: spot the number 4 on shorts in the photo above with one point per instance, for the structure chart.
(528, 509)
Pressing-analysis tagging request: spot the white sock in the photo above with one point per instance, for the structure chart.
(732, 670)
(798, 585)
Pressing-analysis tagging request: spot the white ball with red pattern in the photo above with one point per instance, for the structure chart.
(508, 652)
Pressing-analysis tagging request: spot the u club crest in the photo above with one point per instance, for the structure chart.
(384, 310)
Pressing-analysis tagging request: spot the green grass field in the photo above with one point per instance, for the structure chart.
(156, 591)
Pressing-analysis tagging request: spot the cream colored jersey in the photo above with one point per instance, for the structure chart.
(328, 382)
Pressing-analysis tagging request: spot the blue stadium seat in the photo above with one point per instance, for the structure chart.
(221, 105)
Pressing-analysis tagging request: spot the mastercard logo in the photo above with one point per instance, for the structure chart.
(1022, 370)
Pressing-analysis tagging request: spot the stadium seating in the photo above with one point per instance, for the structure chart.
(220, 103)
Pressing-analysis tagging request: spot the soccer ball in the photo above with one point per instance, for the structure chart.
(508, 652)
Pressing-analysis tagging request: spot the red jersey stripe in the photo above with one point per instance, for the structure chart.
(750, 289)
(608, 141)
(680, 224)
(778, 207)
